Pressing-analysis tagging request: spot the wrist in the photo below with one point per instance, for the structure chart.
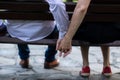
(68, 38)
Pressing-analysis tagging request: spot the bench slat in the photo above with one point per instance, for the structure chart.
(6, 39)
(48, 16)
(24, 6)
(105, 1)
(103, 8)
(97, 8)
(26, 16)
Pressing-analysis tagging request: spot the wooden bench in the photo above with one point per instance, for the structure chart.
(99, 11)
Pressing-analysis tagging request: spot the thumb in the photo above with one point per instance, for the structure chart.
(58, 44)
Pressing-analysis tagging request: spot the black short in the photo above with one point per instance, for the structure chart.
(98, 32)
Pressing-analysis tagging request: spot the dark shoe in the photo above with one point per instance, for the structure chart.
(49, 65)
(25, 64)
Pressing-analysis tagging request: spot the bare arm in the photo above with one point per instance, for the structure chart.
(77, 18)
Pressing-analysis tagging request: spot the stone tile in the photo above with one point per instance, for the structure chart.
(4, 71)
(95, 67)
(115, 69)
(6, 61)
(8, 77)
(36, 60)
(6, 46)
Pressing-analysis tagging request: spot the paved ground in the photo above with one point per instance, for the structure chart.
(68, 70)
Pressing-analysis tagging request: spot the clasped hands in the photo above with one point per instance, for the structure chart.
(64, 47)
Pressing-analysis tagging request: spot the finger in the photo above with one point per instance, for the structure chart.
(65, 54)
(60, 54)
(65, 51)
(60, 49)
(57, 45)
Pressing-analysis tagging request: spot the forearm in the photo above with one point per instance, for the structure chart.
(77, 18)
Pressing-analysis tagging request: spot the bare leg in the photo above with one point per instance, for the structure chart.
(106, 55)
(85, 69)
(85, 50)
(106, 63)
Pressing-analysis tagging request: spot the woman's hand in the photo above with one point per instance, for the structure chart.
(64, 46)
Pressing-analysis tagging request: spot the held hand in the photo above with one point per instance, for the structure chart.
(64, 46)
(64, 54)
(58, 46)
